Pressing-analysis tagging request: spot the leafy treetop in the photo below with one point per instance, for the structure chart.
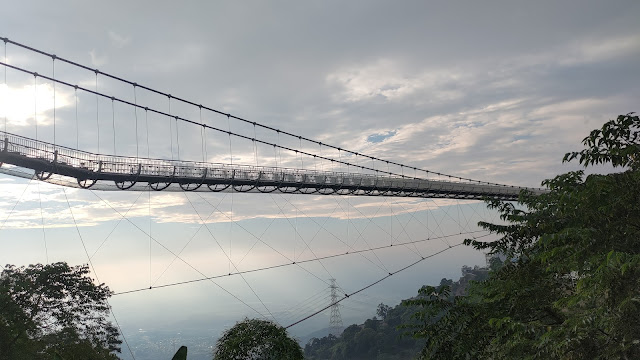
(52, 308)
(617, 142)
(257, 339)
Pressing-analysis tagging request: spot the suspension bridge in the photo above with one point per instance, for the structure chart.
(86, 169)
(276, 162)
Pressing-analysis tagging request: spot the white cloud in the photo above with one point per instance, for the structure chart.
(20, 104)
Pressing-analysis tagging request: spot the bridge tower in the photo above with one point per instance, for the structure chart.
(335, 320)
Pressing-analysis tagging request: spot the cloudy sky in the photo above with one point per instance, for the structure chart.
(495, 91)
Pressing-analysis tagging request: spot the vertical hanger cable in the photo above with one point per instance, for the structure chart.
(5, 82)
(53, 75)
(135, 109)
(97, 112)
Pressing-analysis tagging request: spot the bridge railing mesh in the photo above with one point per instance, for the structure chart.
(198, 172)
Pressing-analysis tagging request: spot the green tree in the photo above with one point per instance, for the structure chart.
(257, 339)
(55, 308)
(570, 285)
(383, 310)
(446, 322)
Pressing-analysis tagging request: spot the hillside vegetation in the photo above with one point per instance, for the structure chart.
(384, 336)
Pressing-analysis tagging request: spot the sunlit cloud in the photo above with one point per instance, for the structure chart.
(23, 106)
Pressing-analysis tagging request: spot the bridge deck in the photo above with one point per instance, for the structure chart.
(52, 162)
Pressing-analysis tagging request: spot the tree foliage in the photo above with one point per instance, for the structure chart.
(55, 308)
(570, 287)
(383, 310)
(617, 143)
(257, 339)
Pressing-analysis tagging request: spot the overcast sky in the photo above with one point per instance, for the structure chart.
(496, 91)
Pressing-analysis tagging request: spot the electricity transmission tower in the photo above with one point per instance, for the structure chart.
(335, 321)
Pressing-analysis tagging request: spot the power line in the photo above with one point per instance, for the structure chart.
(296, 263)
(346, 296)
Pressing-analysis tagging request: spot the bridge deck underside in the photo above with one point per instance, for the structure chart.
(86, 170)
